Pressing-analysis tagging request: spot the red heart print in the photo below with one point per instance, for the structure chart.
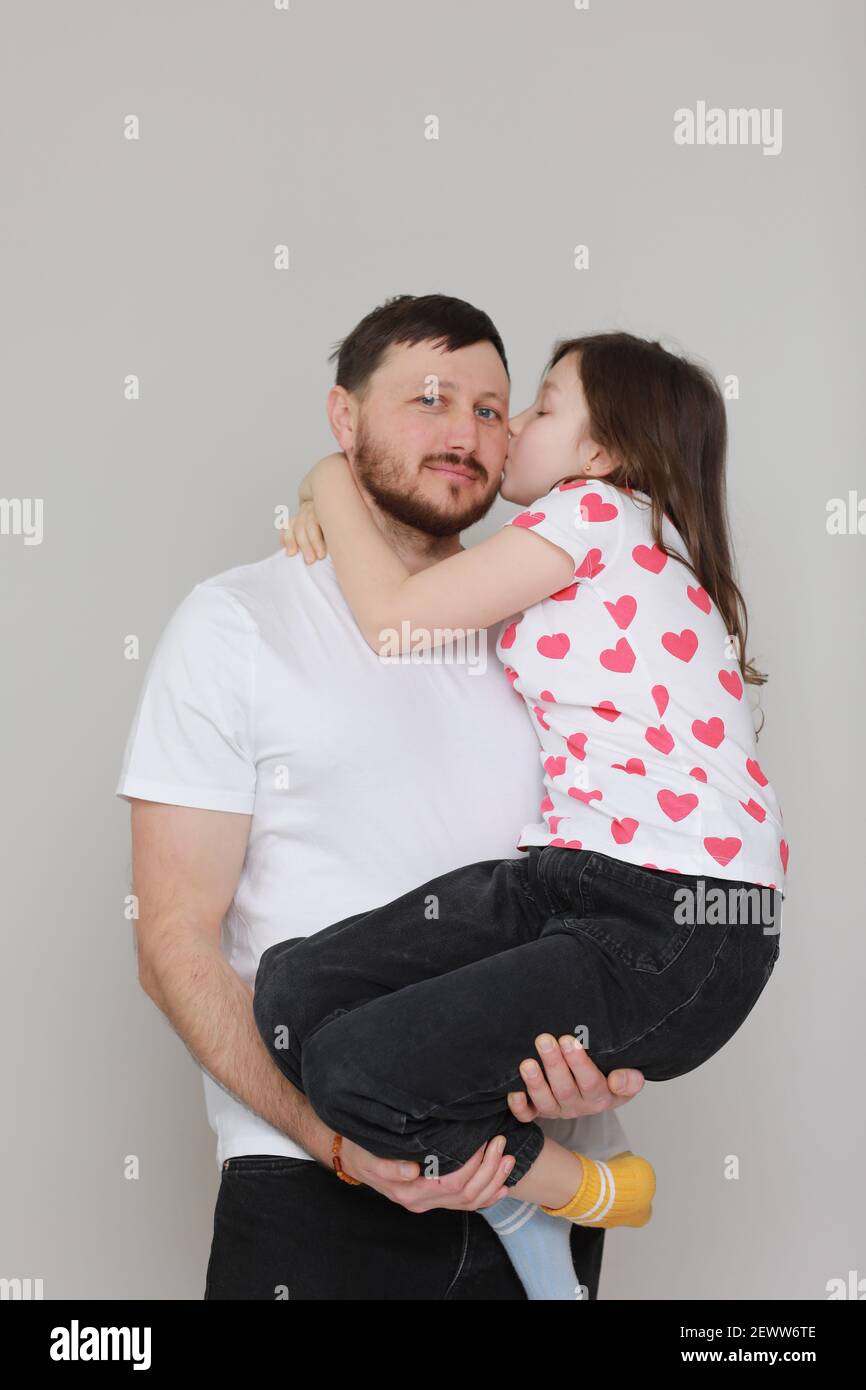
(554, 767)
(783, 854)
(508, 636)
(618, 658)
(590, 566)
(564, 595)
(723, 851)
(511, 674)
(634, 765)
(623, 610)
(732, 683)
(580, 795)
(546, 695)
(661, 697)
(623, 830)
(546, 805)
(574, 482)
(699, 774)
(712, 732)
(650, 558)
(554, 645)
(754, 771)
(553, 823)
(677, 807)
(592, 508)
(566, 844)
(754, 809)
(683, 644)
(659, 738)
(528, 519)
(606, 709)
(539, 714)
(576, 745)
(700, 598)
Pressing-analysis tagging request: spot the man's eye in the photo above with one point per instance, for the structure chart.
(428, 400)
(494, 413)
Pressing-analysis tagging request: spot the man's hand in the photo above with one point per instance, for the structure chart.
(479, 1183)
(569, 1084)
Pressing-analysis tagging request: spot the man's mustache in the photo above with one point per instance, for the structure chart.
(457, 461)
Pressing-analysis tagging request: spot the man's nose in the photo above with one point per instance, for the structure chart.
(462, 433)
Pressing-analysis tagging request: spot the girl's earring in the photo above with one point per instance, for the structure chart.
(587, 468)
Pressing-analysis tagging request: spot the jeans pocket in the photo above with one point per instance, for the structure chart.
(263, 1163)
(639, 920)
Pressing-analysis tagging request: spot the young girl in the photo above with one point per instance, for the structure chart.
(642, 913)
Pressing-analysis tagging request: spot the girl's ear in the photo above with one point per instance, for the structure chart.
(599, 462)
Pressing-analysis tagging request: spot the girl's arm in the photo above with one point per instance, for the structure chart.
(474, 589)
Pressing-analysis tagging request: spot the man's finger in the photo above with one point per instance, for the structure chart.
(540, 1093)
(486, 1185)
(593, 1083)
(559, 1075)
(521, 1107)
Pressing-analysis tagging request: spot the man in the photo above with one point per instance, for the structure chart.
(283, 777)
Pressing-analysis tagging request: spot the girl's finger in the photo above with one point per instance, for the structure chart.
(318, 540)
(309, 536)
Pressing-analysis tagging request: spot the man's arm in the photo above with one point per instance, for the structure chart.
(186, 864)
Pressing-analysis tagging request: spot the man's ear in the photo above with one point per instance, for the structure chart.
(341, 417)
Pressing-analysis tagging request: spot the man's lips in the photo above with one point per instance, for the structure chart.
(454, 470)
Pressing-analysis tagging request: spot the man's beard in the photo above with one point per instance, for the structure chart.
(383, 474)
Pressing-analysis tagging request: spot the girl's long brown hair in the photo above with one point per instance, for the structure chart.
(662, 419)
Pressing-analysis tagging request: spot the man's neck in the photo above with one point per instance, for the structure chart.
(416, 549)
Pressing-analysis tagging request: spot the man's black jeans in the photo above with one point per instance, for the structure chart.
(405, 1026)
(287, 1228)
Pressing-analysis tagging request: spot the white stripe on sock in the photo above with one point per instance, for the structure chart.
(509, 1224)
(606, 1197)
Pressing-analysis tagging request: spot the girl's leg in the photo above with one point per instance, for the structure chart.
(423, 1073)
(449, 922)
(431, 934)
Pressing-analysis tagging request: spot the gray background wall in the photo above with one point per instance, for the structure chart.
(155, 257)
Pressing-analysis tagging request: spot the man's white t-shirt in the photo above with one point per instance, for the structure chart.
(363, 779)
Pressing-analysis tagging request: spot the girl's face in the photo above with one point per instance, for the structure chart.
(551, 439)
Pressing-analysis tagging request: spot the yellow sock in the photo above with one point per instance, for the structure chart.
(614, 1192)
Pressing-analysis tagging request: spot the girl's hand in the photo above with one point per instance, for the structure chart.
(304, 531)
(305, 534)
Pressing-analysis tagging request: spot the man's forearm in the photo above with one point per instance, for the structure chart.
(210, 1008)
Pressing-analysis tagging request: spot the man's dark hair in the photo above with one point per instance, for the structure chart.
(408, 318)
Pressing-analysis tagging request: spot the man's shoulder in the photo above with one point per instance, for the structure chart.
(253, 588)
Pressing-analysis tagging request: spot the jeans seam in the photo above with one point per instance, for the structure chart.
(463, 1253)
(639, 1037)
(525, 888)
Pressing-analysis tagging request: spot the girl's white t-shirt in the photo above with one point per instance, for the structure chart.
(631, 681)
